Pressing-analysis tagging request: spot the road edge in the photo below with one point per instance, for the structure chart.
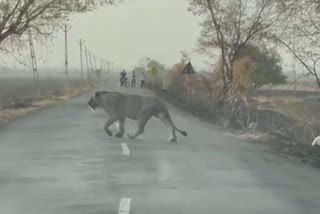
(9, 115)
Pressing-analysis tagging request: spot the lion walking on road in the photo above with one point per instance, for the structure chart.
(121, 106)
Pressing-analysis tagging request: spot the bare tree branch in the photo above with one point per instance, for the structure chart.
(18, 15)
(6, 51)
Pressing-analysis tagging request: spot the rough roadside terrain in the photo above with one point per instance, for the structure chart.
(300, 152)
(19, 96)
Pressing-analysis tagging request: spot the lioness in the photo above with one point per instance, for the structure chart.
(119, 106)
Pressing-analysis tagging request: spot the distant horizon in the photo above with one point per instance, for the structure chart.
(24, 71)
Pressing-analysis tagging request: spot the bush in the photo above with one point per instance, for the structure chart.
(268, 69)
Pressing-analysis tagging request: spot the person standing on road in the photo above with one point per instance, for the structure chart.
(133, 81)
(142, 79)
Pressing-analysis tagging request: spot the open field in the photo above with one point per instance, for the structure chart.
(287, 92)
(19, 96)
(302, 90)
(18, 88)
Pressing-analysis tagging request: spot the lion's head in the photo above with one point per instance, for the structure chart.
(95, 100)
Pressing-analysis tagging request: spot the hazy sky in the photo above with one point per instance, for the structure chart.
(131, 31)
(126, 33)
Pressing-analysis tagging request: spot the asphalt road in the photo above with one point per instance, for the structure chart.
(59, 160)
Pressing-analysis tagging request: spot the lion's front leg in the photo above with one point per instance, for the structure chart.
(109, 122)
(143, 119)
(121, 128)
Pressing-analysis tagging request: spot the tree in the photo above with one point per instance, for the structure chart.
(42, 16)
(139, 69)
(147, 64)
(268, 69)
(244, 68)
(230, 25)
(174, 80)
(301, 35)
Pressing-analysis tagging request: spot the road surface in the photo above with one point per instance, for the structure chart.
(59, 160)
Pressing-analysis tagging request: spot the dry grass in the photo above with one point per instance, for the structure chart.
(289, 106)
(302, 86)
(11, 114)
(251, 135)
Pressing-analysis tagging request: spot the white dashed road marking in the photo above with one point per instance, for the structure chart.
(125, 149)
(124, 206)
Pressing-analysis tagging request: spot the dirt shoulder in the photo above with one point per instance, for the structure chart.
(299, 152)
(23, 107)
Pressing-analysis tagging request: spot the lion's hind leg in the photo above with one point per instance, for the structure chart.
(142, 121)
(165, 118)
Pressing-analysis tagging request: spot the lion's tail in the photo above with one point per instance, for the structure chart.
(165, 110)
(184, 133)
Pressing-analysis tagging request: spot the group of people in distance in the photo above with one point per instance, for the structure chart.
(124, 80)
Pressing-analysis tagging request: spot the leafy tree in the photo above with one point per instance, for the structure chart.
(147, 64)
(244, 69)
(139, 69)
(268, 69)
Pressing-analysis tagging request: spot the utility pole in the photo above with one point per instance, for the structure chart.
(90, 60)
(101, 68)
(109, 67)
(81, 42)
(65, 29)
(95, 62)
(103, 61)
(92, 69)
(34, 63)
(87, 64)
(105, 65)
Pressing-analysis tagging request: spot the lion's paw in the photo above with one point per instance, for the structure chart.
(172, 139)
(130, 136)
(108, 132)
(119, 135)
